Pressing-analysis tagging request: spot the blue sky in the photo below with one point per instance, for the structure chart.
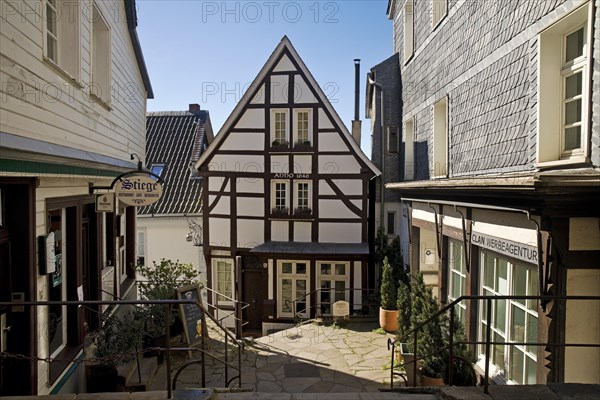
(208, 52)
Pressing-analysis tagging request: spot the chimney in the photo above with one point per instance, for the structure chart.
(194, 108)
(356, 123)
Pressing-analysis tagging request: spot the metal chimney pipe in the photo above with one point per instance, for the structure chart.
(356, 87)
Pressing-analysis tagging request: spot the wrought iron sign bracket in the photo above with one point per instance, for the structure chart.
(139, 170)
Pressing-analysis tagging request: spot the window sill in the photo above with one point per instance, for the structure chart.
(100, 101)
(68, 77)
(573, 161)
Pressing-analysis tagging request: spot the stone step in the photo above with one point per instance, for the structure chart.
(148, 368)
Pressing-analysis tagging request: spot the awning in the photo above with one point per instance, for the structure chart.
(311, 248)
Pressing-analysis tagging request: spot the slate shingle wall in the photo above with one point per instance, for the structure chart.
(484, 56)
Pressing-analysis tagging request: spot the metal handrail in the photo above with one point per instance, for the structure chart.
(487, 342)
(316, 291)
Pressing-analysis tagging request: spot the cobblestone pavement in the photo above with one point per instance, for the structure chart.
(310, 358)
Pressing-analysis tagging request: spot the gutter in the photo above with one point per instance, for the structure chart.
(131, 16)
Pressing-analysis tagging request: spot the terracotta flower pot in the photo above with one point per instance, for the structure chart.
(388, 320)
(429, 381)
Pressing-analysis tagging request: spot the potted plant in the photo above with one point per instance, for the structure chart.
(113, 345)
(160, 282)
(463, 373)
(404, 353)
(388, 312)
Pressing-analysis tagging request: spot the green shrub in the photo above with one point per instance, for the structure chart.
(388, 290)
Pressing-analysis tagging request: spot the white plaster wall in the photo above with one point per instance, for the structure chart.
(338, 165)
(582, 365)
(236, 163)
(219, 230)
(215, 183)
(335, 209)
(584, 233)
(302, 93)
(324, 121)
(244, 141)
(331, 141)
(302, 164)
(284, 65)
(259, 97)
(280, 164)
(340, 233)
(223, 205)
(302, 231)
(249, 185)
(324, 188)
(250, 232)
(252, 118)
(250, 206)
(166, 238)
(350, 186)
(280, 231)
(279, 89)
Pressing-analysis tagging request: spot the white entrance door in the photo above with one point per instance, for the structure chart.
(333, 279)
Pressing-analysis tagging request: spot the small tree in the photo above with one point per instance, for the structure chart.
(388, 290)
(404, 303)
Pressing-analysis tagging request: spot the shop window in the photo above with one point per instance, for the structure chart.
(564, 63)
(293, 288)
(61, 27)
(333, 279)
(513, 321)
(457, 276)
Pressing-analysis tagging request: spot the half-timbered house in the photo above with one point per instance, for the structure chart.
(286, 201)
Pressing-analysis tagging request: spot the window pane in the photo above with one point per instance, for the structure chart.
(488, 272)
(518, 325)
(572, 112)
(325, 269)
(519, 282)
(498, 351)
(500, 315)
(575, 43)
(301, 268)
(286, 268)
(340, 293)
(532, 289)
(573, 138)
(516, 365)
(456, 292)
(286, 295)
(502, 277)
(573, 85)
(531, 371)
(532, 333)
(340, 269)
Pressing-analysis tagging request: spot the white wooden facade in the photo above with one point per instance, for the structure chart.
(73, 90)
(286, 188)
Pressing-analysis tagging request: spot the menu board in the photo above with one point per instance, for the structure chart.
(192, 316)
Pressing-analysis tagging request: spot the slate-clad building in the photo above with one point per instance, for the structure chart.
(175, 141)
(286, 201)
(500, 118)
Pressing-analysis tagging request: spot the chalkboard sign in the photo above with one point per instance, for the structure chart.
(194, 323)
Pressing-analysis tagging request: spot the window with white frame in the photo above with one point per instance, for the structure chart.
(440, 139)
(303, 196)
(141, 247)
(293, 288)
(101, 57)
(408, 30)
(439, 9)
(409, 149)
(223, 276)
(279, 127)
(564, 63)
(457, 276)
(280, 197)
(303, 127)
(61, 26)
(512, 321)
(333, 278)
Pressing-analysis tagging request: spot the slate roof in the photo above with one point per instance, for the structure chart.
(175, 139)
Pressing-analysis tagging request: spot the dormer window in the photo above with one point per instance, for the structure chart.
(157, 169)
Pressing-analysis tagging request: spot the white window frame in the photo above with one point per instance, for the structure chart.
(409, 31)
(409, 149)
(459, 274)
(65, 34)
(101, 57)
(215, 278)
(503, 373)
(296, 128)
(332, 278)
(439, 10)
(274, 184)
(294, 277)
(552, 71)
(274, 139)
(297, 195)
(440, 139)
(64, 279)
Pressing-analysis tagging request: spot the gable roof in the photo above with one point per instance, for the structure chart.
(283, 45)
(175, 139)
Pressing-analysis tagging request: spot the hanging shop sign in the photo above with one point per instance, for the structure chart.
(138, 190)
(105, 202)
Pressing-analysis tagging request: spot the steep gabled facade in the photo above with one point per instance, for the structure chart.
(73, 90)
(175, 141)
(286, 193)
(500, 118)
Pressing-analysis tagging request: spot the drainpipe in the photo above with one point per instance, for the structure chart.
(382, 183)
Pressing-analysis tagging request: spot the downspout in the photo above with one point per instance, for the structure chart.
(382, 183)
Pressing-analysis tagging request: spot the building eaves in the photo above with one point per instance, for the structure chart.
(131, 15)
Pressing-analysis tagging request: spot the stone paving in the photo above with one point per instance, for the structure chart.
(310, 358)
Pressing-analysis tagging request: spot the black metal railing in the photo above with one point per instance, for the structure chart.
(487, 343)
(314, 306)
(171, 383)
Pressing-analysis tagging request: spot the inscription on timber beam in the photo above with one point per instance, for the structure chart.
(282, 175)
(519, 251)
